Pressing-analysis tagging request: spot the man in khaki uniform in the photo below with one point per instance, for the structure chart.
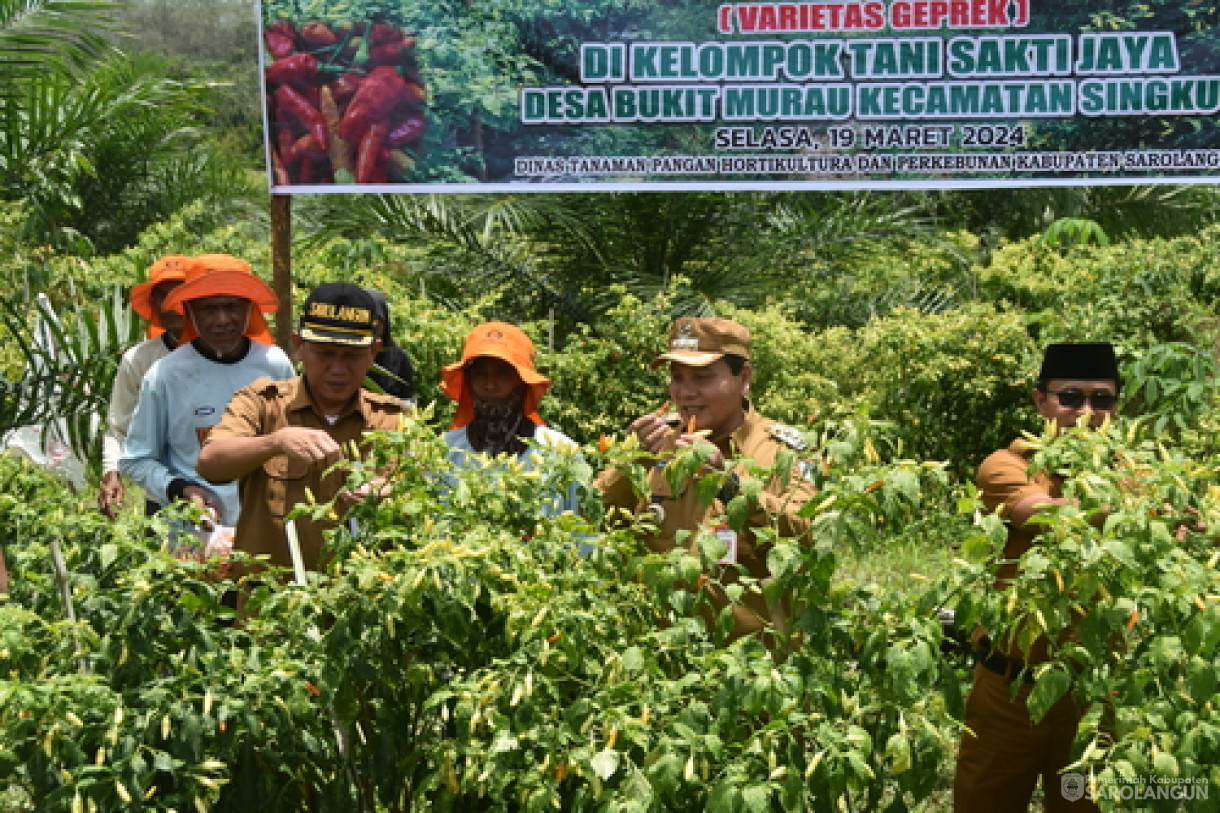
(709, 381)
(1003, 753)
(278, 437)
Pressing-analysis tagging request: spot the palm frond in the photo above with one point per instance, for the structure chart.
(485, 242)
(41, 36)
(70, 366)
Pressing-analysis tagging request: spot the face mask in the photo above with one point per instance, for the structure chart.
(499, 428)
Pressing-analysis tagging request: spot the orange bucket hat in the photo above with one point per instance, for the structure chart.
(503, 341)
(225, 275)
(170, 268)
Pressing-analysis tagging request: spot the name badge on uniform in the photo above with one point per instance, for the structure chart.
(729, 537)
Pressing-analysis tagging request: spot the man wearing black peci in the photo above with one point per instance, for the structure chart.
(1002, 751)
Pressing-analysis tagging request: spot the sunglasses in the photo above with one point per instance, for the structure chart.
(1075, 399)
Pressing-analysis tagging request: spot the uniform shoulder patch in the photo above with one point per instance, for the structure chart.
(790, 436)
(384, 401)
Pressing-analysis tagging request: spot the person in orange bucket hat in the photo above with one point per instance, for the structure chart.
(217, 275)
(225, 346)
(148, 298)
(164, 332)
(498, 389)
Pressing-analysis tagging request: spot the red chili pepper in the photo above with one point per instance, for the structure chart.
(290, 100)
(285, 27)
(318, 34)
(285, 139)
(416, 94)
(369, 160)
(389, 53)
(307, 171)
(279, 45)
(380, 92)
(295, 68)
(410, 129)
(345, 87)
(383, 167)
(384, 32)
(411, 74)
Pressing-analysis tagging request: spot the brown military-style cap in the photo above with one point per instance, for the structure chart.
(700, 342)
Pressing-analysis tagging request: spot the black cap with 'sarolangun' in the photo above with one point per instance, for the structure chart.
(339, 313)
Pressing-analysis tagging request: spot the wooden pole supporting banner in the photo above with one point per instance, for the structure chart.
(281, 267)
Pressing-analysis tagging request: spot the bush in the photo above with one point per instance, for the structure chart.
(956, 385)
(462, 652)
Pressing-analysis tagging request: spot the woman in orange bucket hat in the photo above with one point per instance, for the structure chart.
(498, 389)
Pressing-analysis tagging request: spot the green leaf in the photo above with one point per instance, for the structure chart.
(906, 483)
(724, 798)
(504, 743)
(666, 773)
(738, 512)
(978, 548)
(1201, 676)
(605, 763)
(783, 559)
(1048, 689)
(638, 790)
(712, 548)
(756, 797)
(898, 752)
(706, 489)
(633, 659)
(1165, 765)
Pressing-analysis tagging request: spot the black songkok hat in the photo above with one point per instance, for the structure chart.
(1085, 360)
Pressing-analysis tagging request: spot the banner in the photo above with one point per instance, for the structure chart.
(546, 95)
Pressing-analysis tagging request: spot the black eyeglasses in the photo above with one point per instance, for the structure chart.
(1074, 399)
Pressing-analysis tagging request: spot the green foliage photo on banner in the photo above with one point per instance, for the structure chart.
(543, 95)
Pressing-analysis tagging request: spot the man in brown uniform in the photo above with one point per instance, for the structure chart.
(1003, 753)
(278, 437)
(709, 380)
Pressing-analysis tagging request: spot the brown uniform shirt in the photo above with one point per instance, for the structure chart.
(272, 490)
(761, 440)
(1004, 480)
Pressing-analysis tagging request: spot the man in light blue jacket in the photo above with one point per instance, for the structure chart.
(225, 346)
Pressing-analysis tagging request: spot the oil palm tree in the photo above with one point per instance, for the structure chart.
(95, 144)
(562, 253)
(38, 36)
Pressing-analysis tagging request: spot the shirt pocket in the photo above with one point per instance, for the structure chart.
(285, 484)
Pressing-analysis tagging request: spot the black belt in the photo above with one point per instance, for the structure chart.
(1002, 666)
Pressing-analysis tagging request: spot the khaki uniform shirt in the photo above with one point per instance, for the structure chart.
(761, 440)
(1004, 481)
(273, 489)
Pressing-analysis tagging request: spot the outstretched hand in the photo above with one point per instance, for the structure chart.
(308, 446)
